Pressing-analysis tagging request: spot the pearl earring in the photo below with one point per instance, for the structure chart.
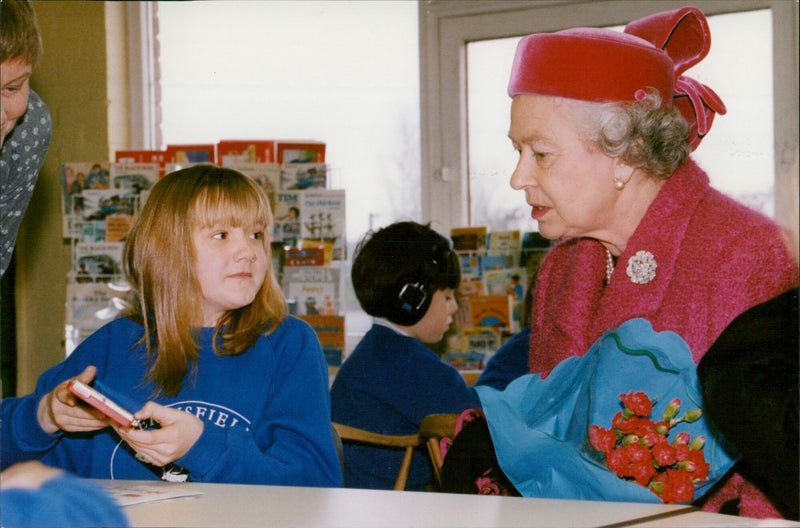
(619, 184)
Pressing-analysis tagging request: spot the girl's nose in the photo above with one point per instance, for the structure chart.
(244, 249)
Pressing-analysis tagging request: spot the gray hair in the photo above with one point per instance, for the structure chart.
(640, 133)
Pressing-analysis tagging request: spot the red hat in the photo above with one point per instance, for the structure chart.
(601, 65)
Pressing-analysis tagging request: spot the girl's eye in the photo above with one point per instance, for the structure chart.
(258, 235)
(222, 235)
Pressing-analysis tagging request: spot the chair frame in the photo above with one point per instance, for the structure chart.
(409, 442)
(431, 430)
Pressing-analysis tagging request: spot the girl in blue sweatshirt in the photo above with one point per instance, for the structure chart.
(238, 388)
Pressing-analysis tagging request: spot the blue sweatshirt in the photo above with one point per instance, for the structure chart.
(388, 385)
(266, 412)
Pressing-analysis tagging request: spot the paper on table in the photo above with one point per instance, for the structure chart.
(141, 493)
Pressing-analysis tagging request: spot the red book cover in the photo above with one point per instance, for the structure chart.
(232, 151)
(141, 156)
(300, 152)
(307, 256)
(202, 153)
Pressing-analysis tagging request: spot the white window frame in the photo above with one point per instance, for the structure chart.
(447, 27)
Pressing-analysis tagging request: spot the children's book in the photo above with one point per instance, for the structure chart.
(300, 152)
(305, 256)
(469, 287)
(286, 212)
(465, 360)
(490, 310)
(141, 156)
(469, 239)
(90, 305)
(98, 204)
(97, 262)
(500, 242)
(322, 215)
(187, 154)
(278, 259)
(231, 152)
(483, 340)
(299, 176)
(267, 175)
(498, 261)
(88, 230)
(470, 265)
(512, 281)
(131, 179)
(117, 227)
(77, 178)
(330, 331)
(312, 290)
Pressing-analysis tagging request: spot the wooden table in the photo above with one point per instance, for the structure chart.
(224, 505)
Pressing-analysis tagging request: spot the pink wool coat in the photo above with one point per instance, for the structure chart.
(715, 259)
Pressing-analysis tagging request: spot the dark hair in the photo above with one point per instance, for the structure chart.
(19, 32)
(401, 253)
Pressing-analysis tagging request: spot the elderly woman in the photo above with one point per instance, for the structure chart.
(604, 124)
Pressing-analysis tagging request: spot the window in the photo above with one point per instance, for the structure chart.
(345, 73)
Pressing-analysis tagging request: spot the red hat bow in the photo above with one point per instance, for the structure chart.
(685, 36)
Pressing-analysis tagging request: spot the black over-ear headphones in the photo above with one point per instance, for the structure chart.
(413, 296)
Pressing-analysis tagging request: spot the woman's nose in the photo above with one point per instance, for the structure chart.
(522, 176)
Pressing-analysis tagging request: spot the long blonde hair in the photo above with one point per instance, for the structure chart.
(159, 262)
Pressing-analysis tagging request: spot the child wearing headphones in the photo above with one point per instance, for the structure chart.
(404, 275)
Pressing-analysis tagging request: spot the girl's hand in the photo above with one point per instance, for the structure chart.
(178, 433)
(61, 410)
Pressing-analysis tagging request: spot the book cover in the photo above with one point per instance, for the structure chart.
(483, 340)
(131, 179)
(96, 262)
(470, 265)
(490, 310)
(77, 177)
(305, 256)
(498, 262)
(469, 239)
(267, 175)
(286, 213)
(299, 176)
(312, 290)
(534, 249)
(504, 242)
(117, 227)
(89, 230)
(235, 151)
(331, 335)
(91, 305)
(469, 287)
(512, 281)
(141, 156)
(465, 360)
(322, 215)
(278, 251)
(186, 154)
(300, 152)
(98, 204)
